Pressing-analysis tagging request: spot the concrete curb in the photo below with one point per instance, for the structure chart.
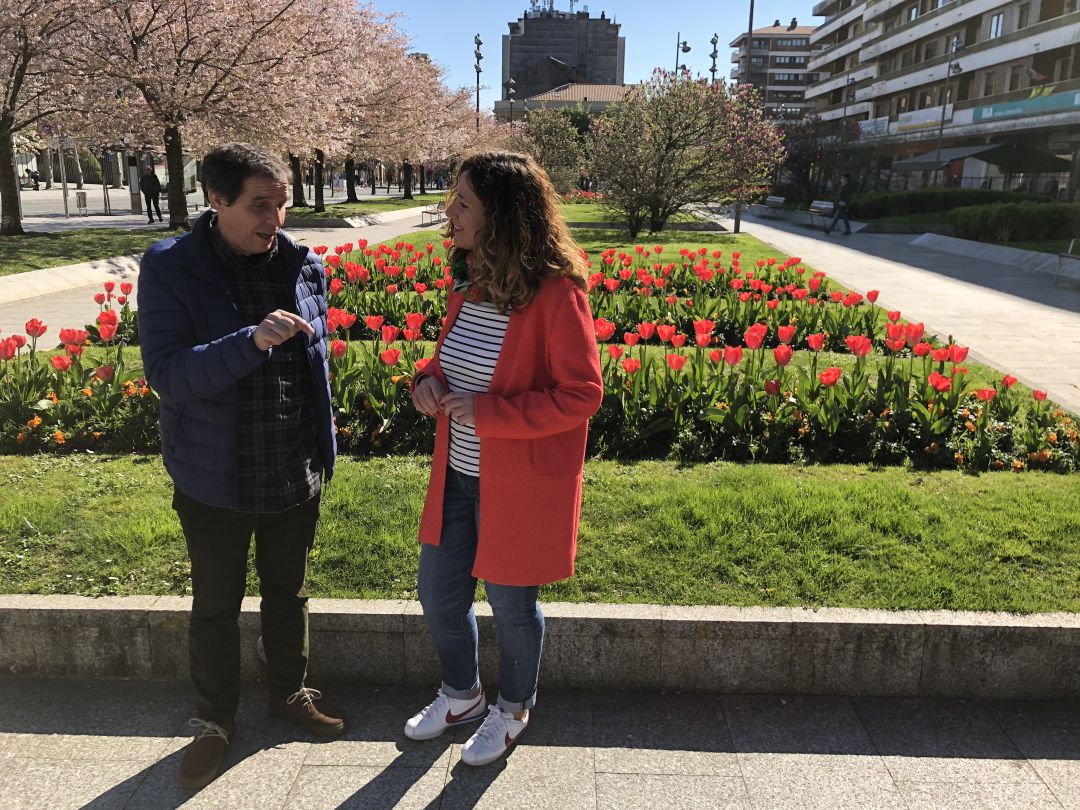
(671, 226)
(1027, 260)
(35, 283)
(588, 646)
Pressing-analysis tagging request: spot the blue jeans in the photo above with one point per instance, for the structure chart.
(447, 587)
(839, 211)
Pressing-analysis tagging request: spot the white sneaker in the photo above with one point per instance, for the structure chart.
(494, 738)
(442, 713)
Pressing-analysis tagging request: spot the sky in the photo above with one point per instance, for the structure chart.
(652, 31)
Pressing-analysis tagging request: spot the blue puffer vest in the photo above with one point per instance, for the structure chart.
(196, 350)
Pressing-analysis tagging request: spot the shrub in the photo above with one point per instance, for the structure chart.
(899, 203)
(1016, 222)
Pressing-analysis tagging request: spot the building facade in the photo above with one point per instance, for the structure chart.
(922, 75)
(546, 48)
(778, 66)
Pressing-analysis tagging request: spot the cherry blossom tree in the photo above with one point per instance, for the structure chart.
(750, 147)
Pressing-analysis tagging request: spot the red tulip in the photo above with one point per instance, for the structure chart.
(1039, 395)
(126, 287)
(374, 322)
(422, 363)
(679, 339)
(676, 361)
(986, 394)
(939, 381)
(390, 333)
(830, 376)
(894, 315)
(665, 332)
(772, 387)
(896, 345)
(108, 316)
(107, 331)
(35, 328)
(121, 299)
(109, 286)
(872, 296)
(604, 328)
(61, 362)
(704, 326)
(411, 334)
(104, 373)
(782, 354)
(420, 288)
(390, 356)
(338, 348)
(815, 341)
(1008, 381)
(942, 354)
(646, 329)
(611, 284)
(336, 286)
(755, 335)
(615, 352)
(786, 334)
(860, 345)
(702, 339)
(957, 354)
(922, 349)
(733, 355)
(914, 333)
(631, 338)
(414, 320)
(631, 364)
(8, 349)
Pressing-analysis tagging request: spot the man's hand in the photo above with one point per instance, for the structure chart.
(426, 395)
(460, 407)
(277, 327)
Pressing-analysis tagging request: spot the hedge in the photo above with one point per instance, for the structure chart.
(899, 203)
(1017, 222)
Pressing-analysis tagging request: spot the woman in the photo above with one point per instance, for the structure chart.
(514, 380)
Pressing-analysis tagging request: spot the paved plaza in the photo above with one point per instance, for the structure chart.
(116, 744)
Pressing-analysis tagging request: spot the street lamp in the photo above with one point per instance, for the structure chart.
(954, 46)
(684, 47)
(510, 96)
(715, 39)
(478, 42)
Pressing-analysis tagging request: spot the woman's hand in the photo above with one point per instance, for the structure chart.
(460, 407)
(426, 395)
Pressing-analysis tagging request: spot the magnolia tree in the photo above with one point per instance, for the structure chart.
(677, 142)
(34, 84)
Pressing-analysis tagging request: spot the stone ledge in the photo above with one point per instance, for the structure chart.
(588, 646)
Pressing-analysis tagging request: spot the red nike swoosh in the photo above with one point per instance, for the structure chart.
(456, 718)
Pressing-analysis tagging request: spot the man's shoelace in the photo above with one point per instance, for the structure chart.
(496, 724)
(208, 728)
(304, 695)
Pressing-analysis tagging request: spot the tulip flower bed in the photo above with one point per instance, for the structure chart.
(706, 355)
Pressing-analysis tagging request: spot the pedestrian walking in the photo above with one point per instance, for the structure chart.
(843, 202)
(150, 186)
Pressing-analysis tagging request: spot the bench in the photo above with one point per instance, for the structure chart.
(774, 202)
(1068, 264)
(820, 208)
(437, 213)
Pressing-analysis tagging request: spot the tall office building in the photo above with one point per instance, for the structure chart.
(778, 66)
(979, 72)
(546, 48)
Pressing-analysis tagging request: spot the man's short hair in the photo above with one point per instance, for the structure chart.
(845, 176)
(225, 169)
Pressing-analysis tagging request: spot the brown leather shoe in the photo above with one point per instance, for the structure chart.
(302, 707)
(203, 755)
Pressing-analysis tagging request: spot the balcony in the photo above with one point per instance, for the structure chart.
(878, 8)
(933, 22)
(844, 48)
(832, 83)
(836, 111)
(836, 23)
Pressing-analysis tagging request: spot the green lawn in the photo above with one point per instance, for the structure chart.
(34, 251)
(651, 533)
(369, 205)
(594, 212)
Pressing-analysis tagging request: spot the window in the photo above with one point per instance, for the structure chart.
(761, 44)
(907, 59)
(783, 60)
(930, 50)
(988, 83)
(1022, 15)
(939, 3)
(926, 99)
(902, 104)
(1015, 73)
(995, 25)
(912, 13)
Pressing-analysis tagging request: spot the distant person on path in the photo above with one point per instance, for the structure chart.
(150, 187)
(843, 202)
(512, 384)
(34, 178)
(232, 326)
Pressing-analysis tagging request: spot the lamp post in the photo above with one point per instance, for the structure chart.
(684, 48)
(715, 39)
(843, 119)
(510, 96)
(478, 42)
(954, 46)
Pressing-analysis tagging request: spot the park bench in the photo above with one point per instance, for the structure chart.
(436, 212)
(1068, 264)
(773, 201)
(819, 208)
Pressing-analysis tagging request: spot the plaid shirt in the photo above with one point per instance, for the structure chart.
(278, 462)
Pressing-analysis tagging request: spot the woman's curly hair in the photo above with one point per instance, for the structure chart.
(525, 238)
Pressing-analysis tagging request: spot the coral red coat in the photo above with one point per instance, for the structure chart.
(532, 425)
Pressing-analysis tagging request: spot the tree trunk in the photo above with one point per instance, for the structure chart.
(117, 169)
(350, 179)
(738, 216)
(78, 167)
(10, 216)
(298, 200)
(423, 180)
(44, 162)
(319, 158)
(407, 171)
(174, 164)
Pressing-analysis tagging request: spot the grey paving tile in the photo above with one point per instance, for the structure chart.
(352, 788)
(1041, 730)
(672, 792)
(534, 777)
(834, 781)
(1062, 776)
(977, 796)
(84, 747)
(60, 784)
(795, 724)
(662, 734)
(942, 740)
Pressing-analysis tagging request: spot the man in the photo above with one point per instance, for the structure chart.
(150, 186)
(232, 320)
(843, 202)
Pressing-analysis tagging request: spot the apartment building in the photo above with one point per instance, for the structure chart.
(778, 66)
(978, 72)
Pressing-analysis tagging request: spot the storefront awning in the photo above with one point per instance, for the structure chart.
(1011, 158)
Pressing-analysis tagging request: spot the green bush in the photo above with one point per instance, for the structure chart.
(1017, 222)
(899, 203)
